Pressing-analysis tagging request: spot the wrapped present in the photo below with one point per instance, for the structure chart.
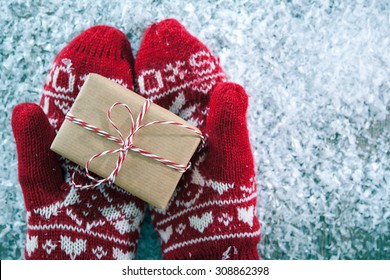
(127, 140)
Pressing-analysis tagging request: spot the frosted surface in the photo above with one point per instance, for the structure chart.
(318, 76)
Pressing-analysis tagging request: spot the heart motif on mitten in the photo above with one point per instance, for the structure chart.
(73, 248)
(201, 223)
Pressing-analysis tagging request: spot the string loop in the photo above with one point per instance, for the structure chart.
(126, 144)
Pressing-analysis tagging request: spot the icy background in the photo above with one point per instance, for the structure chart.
(318, 76)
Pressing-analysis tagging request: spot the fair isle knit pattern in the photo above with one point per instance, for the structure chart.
(65, 222)
(212, 214)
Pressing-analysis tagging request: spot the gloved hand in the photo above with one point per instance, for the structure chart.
(212, 214)
(64, 222)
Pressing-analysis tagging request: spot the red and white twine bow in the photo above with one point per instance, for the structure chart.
(126, 144)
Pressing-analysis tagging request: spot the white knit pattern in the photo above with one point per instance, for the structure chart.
(60, 95)
(48, 246)
(31, 244)
(171, 76)
(119, 254)
(99, 252)
(209, 218)
(165, 234)
(225, 219)
(75, 229)
(211, 238)
(246, 215)
(200, 223)
(209, 203)
(124, 217)
(73, 248)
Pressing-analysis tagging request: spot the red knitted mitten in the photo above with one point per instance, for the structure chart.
(64, 222)
(212, 214)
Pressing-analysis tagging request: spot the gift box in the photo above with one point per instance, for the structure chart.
(145, 177)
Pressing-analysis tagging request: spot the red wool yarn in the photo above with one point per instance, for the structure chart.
(64, 222)
(212, 214)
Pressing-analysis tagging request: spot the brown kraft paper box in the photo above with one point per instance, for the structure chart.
(144, 177)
